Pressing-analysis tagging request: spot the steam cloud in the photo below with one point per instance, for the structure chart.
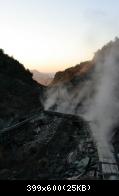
(104, 110)
(96, 99)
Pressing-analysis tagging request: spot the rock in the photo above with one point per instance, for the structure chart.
(118, 155)
(43, 164)
(72, 157)
(76, 163)
(59, 169)
(83, 163)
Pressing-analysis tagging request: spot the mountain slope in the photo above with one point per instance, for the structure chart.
(42, 78)
(75, 87)
(64, 91)
(19, 93)
(78, 71)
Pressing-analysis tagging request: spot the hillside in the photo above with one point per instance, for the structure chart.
(19, 93)
(63, 94)
(78, 71)
(73, 89)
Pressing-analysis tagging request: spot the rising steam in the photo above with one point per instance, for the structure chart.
(96, 99)
(104, 110)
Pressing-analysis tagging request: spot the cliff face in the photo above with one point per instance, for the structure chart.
(79, 71)
(19, 93)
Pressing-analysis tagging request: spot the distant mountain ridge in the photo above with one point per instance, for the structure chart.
(42, 78)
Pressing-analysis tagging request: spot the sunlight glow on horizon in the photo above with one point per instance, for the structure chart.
(52, 35)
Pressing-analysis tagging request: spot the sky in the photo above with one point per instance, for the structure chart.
(52, 35)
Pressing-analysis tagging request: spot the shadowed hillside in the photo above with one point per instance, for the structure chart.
(19, 93)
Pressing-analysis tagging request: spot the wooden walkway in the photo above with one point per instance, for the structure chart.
(107, 163)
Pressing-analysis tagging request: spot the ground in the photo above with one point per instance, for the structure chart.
(52, 147)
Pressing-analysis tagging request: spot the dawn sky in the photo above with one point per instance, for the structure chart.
(51, 35)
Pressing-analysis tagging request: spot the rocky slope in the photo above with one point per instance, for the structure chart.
(19, 93)
(50, 147)
(78, 71)
(67, 86)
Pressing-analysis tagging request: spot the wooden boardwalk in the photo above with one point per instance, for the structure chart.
(107, 163)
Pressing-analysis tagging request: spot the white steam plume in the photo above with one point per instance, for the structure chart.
(104, 110)
(98, 95)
